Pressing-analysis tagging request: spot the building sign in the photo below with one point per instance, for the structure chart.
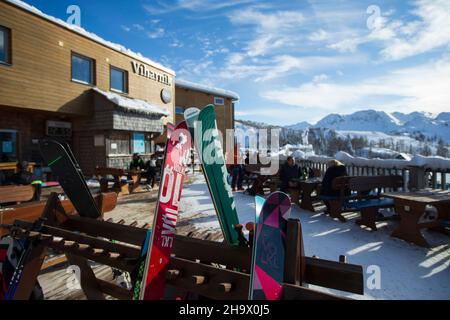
(144, 71)
(138, 143)
(59, 129)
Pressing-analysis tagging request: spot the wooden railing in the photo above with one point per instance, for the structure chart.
(434, 178)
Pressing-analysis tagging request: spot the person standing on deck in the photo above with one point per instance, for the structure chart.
(150, 173)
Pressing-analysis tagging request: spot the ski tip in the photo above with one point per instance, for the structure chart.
(182, 125)
(191, 112)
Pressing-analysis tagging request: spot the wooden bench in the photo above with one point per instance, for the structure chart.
(33, 210)
(121, 184)
(16, 194)
(365, 197)
(12, 166)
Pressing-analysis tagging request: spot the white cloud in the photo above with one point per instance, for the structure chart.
(238, 67)
(193, 5)
(319, 35)
(431, 31)
(320, 78)
(272, 30)
(424, 87)
(157, 33)
(399, 39)
(125, 28)
(176, 44)
(138, 27)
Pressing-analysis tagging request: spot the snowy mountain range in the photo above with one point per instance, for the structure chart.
(396, 123)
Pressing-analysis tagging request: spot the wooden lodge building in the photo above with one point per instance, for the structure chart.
(60, 81)
(189, 94)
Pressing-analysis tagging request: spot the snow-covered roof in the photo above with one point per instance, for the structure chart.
(132, 105)
(90, 35)
(203, 88)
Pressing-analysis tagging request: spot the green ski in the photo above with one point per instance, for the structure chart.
(210, 151)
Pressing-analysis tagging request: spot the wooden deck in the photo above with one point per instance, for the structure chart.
(140, 208)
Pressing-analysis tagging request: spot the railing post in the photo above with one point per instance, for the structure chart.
(417, 178)
(434, 179)
(444, 181)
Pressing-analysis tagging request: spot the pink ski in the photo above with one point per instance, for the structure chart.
(164, 223)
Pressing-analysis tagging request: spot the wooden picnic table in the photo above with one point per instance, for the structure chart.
(12, 166)
(411, 207)
(135, 176)
(307, 188)
(121, 186)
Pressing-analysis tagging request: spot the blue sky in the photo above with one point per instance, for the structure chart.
(290, 61)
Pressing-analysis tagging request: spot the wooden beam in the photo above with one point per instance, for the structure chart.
(30, 272)
(114, 231)
(334, 275)
(88, 281)
(295, 256)
(115, 290)
(124, 250)
(211, 251)
(122, 264)
(237, 282)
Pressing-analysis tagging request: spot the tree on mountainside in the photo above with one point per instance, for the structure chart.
(442, 149)
(426, 151)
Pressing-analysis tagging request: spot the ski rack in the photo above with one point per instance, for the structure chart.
(203, 268)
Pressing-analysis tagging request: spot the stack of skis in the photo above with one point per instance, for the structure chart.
(267, 239)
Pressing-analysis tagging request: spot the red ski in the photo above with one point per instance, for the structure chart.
(164, 223)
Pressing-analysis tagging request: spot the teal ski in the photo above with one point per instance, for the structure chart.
(209, 148)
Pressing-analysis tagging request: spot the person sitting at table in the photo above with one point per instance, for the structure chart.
(335, 169)
(137, 163)
(150, 172)
(24, 177)
(288, 173)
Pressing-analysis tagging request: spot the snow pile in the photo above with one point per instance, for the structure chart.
(90, 35)
(432, 163)
(204, 88)
(133, 105)
(377, 163)
(320, 159)
(299, 152)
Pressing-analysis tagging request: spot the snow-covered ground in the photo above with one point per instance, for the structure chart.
(407, 271)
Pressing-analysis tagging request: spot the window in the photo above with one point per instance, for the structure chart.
(8, 145)
(179, 110)
(5, 45)
(83, 69)
(119, 80)
(118, 144)
(219, 101)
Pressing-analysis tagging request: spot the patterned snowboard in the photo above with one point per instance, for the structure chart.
(269, 248)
